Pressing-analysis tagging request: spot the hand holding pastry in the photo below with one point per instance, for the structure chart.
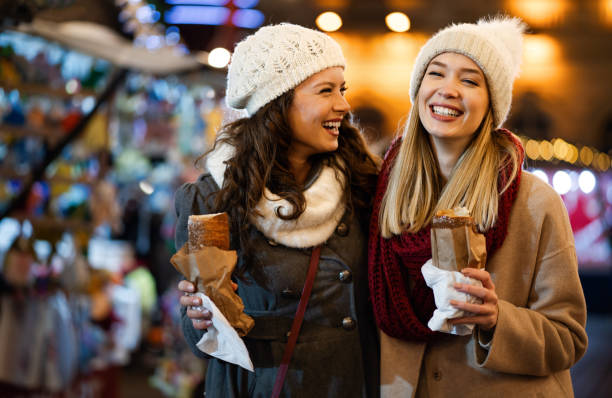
(484, 315)
(200, 317)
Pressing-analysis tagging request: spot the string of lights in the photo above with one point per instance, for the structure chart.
(559, 151)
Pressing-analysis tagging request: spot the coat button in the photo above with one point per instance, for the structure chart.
(345, 276)
(272, 243)
(348, 323)
(437, 375)
(342, 229)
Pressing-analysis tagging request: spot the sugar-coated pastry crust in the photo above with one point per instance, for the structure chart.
(208, 230)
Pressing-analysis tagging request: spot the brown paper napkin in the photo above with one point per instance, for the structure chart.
(455, 242)
(211, 269)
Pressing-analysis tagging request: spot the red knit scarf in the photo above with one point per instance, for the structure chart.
(402, 312)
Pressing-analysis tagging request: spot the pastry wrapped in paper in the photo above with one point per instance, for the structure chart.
(206, 261)
(455, 242)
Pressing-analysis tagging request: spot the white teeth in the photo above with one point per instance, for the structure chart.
(331, 125)
(441, 110)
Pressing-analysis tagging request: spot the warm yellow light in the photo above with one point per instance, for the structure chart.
(540, 49)
(572, 154)
(329, 21)
(539, 13)
(546, 150)
(606, 11)
(586, 155)
(542, 62)
(560, 148)
(532, 148)
(602, 161)
(398, 22)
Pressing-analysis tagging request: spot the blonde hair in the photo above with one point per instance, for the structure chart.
(415, 191)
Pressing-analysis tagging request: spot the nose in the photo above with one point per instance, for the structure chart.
(341, 104)
(448, 89)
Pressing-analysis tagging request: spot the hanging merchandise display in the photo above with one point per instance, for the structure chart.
(88, 249)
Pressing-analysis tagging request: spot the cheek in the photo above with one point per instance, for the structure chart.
(303, 114)
(422, 105)
(483, 102)
(296, 116)
(424, 94)
(479, 108)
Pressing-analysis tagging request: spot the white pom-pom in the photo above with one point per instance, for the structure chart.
(509, 31)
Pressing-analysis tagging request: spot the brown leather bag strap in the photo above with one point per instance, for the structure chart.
(297, 322)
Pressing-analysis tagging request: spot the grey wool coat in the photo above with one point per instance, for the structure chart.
(336, 354)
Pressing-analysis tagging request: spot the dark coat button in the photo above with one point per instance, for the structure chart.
(345, 276)
(348, 323)
(290, 294)
(437, 375)
(342, 229)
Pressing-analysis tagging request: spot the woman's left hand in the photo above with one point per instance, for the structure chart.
(483, 315)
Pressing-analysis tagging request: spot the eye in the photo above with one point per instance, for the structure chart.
(471, 82)
(325, 90)
(343, 90)
(434, 73)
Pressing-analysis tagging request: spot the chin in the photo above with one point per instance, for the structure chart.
(442, 132)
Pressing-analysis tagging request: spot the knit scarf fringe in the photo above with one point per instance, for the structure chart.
(399, 311)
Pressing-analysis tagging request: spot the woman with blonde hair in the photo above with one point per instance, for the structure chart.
(526, 311)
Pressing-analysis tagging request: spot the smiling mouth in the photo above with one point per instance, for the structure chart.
(332, 127)
(444, 111)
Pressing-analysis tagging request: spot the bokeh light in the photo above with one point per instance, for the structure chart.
(562, 182)
(329, 21)
(397, 22)
(219, 57)
(586, 181)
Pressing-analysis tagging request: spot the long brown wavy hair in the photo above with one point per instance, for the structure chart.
(261, 144)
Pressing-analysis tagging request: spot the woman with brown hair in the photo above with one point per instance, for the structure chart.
(294, 175)
(528, 321)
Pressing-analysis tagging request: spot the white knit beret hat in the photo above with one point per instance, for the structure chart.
(274, 60)
(495, 45)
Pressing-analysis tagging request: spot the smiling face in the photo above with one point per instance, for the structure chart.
(453, 98)
(315, 113)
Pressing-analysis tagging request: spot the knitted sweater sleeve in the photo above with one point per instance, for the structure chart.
(191, 198)
(547, 335)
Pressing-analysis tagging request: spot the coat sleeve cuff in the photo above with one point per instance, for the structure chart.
(192, 335)
(485, 341)
(484, 338)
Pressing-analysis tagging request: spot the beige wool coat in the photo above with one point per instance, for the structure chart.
(540, 329)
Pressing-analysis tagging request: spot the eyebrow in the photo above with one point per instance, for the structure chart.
(329, 83)
(467, 70)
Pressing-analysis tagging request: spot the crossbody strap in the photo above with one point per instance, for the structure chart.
(297, 322)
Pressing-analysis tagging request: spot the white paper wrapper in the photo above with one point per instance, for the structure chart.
(442, 282)
(221, 340)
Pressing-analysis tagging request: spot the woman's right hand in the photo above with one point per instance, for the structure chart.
(199, 319)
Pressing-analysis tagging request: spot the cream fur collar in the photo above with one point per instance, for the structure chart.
(324, 206)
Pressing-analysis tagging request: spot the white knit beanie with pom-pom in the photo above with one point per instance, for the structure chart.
(495, 45)
(274, 60)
